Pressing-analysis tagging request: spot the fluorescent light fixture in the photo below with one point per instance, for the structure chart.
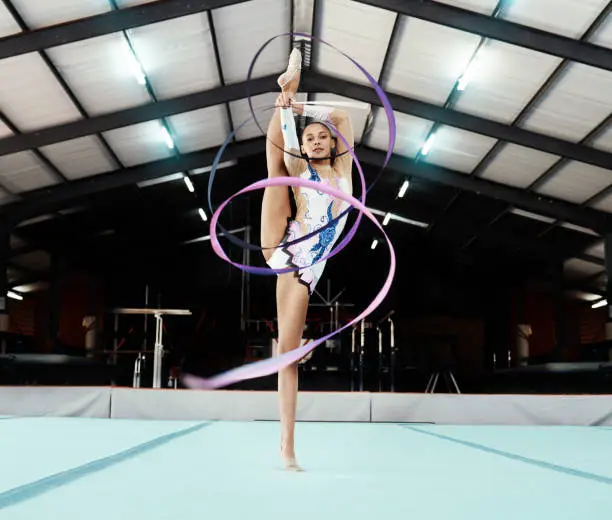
(136, 68)
(410, 221)
(202, 214)
(393, 216)
(600, 303)
(579, 229)
(161, 180)
(14, 295)
(533, 216)
(471, 70)
(403, 189)
(206, 169)
(206, 238)
(189, 184)
(166, 136)
(428, 144)
(374, 244)
(387, 219)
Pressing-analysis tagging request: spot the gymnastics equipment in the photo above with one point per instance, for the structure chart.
(159, 347)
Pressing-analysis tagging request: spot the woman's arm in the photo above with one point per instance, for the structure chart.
(292, 156)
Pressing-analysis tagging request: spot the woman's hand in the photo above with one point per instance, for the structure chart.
(285, 100)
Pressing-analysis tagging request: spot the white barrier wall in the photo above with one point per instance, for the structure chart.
(55, 401)
(586, 410)
(228, 405)
(236, 405)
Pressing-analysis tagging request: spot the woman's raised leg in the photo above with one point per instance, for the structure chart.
(276, 208)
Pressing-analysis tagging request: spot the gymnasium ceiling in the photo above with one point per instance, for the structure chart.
(503, 111)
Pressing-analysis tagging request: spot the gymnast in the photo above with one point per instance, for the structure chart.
(320, 158)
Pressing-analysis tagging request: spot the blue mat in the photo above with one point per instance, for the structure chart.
(100, 469)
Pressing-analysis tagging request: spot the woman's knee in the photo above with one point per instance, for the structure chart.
(267, 254)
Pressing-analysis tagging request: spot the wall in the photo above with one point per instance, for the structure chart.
(78, 295)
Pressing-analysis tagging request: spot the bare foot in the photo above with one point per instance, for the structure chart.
(292, 465)
(289, 80)
(289, 460)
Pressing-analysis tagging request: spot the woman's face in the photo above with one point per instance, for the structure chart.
(316, 141)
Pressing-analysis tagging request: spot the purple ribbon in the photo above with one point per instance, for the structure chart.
(273, 365)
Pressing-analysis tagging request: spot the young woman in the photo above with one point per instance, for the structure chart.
(320, 158)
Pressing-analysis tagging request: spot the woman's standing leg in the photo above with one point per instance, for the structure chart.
(292, 302)
(291, 296)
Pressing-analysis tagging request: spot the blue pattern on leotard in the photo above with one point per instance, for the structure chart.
(327, 235)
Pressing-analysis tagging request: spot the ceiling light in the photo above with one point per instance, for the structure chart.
(189, 184)
(166, 136)
(600, 303)
(428, 144)
(374, 244)
(14, 295)
(403, 189)
(387, 219)
(136, 68)
(202, 214)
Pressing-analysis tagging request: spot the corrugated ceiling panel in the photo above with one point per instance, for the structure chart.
(358, 116)
(518, 166)
(200, 129)
(99, 72)
(30, 96)
(504, 78)
(603, 36)
(604, 204)
(359, 30)
(13, 275)
(23, 171)
(567, 17)
(457, 149)
(577, 104)
(38, 14)
(576, 182)
(5, 131)
(81, 157)
(427, 60)
(596, 250)
(481, 6)
(138, 144)
(32, 287)
(242, 29)
(263, 106)
(574, 268)
(37, 260)
(6, 197)
(122, 4)
(8, 25)
(411, 133)
(177, 55)
(604, 141)
(17, 241)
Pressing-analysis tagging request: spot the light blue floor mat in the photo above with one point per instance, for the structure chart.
(100, 469)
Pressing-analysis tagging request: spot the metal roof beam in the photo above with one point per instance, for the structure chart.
(470, 123)
(566, 211)
(134, 115)
(106, 23)
(54, 198)
(501, 30)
